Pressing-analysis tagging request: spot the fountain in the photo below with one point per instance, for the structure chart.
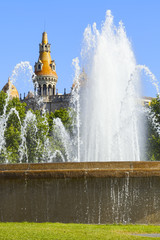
(102, 176)
(111, 124)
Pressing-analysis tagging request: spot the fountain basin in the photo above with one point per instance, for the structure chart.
(81, 192)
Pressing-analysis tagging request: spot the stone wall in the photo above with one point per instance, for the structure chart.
(99, 192)
(50, 103)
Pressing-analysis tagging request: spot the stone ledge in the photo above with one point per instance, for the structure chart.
(83, 165)
(78, 173)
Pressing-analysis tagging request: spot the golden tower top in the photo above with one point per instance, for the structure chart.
(45, 66)
(13, 92)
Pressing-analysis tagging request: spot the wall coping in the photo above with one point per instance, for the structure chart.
(79, 170)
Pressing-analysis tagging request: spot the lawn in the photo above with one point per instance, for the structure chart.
(58, 231)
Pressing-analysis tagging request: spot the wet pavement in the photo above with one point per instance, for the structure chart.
(152, 235)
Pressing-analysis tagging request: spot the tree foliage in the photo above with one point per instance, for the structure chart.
(153, 130)
(28, 135)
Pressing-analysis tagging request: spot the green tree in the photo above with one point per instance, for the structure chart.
(55, 136)
(64, 115)
(29, 135)
(153, 130)
(12, 136)
(3, 97)
(16, 113)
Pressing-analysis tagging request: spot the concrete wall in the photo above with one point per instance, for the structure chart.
(101, 192)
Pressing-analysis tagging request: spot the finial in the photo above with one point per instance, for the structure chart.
(44, 38)
(44, 25)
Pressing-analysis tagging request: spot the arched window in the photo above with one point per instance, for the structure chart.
(44, 90)
(53, 90)
(39, 90)
(49, 90)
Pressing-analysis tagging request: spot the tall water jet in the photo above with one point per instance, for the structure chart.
(111, 122)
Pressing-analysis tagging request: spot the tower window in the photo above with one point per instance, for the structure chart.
(39, 67)
(52, 66)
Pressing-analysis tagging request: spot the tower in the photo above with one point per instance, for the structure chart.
(45, 70)
(13, 93)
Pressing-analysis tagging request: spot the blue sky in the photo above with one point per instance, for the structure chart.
(22, 24)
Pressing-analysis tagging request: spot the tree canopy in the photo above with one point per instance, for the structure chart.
(28, 135)
(153, 130)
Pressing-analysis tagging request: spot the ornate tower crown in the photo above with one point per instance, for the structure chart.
(45, 69)
(13, 92)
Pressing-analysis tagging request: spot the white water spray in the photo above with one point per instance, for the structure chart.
(110, 116)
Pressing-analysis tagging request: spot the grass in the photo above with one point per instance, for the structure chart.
(59, 231)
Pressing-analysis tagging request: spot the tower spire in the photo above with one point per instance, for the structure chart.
(45, 69)
(44, 38)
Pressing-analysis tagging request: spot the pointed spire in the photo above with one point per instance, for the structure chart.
(44, 38)
(45, 66)
(9, 80)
